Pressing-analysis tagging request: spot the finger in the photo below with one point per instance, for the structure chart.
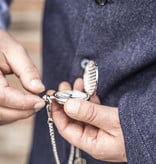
(3, 81)
(4, 64)
(12, 98)
(98, 115)
(95, 99)
(8, 115)
(65, 123)
(25, 70)
(64, 86)
(20, 63)
(78, 84)
(57, 111)
(50, 92)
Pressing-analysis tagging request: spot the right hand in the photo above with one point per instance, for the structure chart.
(89, 125)
(15, 104)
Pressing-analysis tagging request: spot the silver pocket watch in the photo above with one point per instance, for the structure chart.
(90, 78)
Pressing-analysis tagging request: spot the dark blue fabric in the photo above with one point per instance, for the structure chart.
(4, 14)
(121, 38)
(8, 1)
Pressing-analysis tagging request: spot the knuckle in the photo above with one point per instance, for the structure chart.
(98, 155)
(19, 48)
(25, 102)
(31, 69)
(1, 117)
(23, 105)
(64, 85)
(27, 114)
(90, 113)
(3, 97)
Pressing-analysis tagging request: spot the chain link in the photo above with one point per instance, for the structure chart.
(52, 134)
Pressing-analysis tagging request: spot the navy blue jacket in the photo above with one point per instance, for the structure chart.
(121, 37)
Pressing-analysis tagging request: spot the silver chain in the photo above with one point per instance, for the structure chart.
(72, 154)
(53, 141)
(52, 135)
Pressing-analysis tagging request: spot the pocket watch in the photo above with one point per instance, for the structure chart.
(90, 78)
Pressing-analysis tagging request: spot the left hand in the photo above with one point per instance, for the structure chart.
(89, 126)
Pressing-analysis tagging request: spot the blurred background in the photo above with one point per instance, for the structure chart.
(16, 138)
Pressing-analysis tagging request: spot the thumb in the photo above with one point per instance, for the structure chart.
(101, 116)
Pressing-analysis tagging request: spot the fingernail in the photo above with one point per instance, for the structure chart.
(39, 106)
(37, 84)
(72, 106)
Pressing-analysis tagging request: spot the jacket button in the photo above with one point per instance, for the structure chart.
(84, 62)
(101, 2)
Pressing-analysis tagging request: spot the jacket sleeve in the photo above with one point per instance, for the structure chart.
(4, 14)
(137, 111)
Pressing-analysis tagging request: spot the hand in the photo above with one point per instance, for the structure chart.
(14, 104)
(92, 127)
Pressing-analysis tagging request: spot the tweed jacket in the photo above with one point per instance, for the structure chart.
(121, 37)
